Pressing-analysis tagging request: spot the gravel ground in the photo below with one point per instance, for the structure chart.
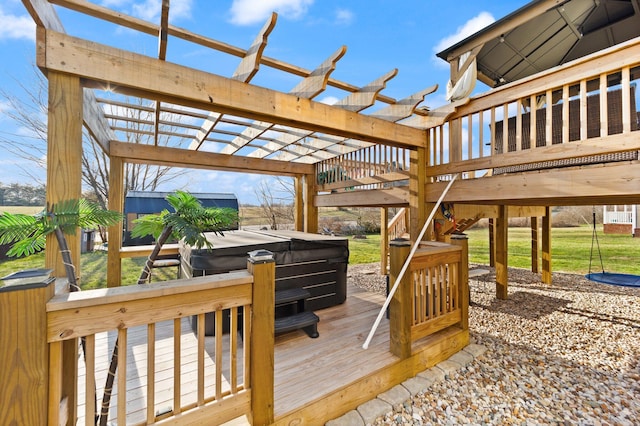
(564, 354)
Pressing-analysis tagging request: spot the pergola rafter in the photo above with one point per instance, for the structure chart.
(232, 131)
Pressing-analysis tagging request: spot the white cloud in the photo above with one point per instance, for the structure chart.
(344, 17)
(16, 27)
(470, 27)
(247, 12)
(329, 100)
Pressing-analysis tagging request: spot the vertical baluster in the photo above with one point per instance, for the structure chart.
(604, 110)
(246, 346)
(493, 130)
(583, 109)
(533, 128)
(519, 124)
(201, 354)
(481, 133)
(122, 376)
(233, 350)
(151, 372)
(90, 379)
(565, 113)
(626, 100)
(549, 118)
(218, 356)
(505, 127)
(177, 370)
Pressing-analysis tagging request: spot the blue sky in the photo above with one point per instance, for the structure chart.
(380, 35)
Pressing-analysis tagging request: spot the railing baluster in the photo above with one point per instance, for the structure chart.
(233, 350)
(626, 100)
(218, 357)
(565, 113)
(177, 345)
(201, 340)
(604, 110)
(90, 380)
(122, 376)
(151, 372)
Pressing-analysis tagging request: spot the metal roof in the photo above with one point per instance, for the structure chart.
(544, 34)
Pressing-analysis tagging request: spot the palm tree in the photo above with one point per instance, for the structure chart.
(189, 221)
(28, 233)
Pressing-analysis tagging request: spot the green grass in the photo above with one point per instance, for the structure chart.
(570, 250)
(364, 250)
(93, 267)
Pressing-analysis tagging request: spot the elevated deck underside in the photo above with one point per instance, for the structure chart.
(607, 183)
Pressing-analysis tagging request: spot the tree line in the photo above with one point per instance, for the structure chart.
(17, 194)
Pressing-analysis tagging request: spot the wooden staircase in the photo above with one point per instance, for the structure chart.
(460, 226)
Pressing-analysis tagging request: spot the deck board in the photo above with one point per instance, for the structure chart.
(305, 368)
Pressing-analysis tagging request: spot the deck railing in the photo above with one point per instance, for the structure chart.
(374, 167)
(432, 296)
(583, 112)
(167, 371)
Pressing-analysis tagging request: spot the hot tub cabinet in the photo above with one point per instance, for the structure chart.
(316, 263)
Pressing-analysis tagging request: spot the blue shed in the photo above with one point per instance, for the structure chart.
(140, 203)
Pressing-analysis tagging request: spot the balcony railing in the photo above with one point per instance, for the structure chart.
(581, 113)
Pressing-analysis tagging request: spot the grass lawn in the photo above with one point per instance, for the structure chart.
(93, 268)
(570, 250)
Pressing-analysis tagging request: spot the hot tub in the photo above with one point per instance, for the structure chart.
(317, 263)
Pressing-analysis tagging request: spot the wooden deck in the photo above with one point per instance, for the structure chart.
(306, 369)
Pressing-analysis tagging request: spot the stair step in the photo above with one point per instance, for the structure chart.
(306, 320)
(291, 295)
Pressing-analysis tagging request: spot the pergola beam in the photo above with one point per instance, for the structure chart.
(131, 73)
(176, 157)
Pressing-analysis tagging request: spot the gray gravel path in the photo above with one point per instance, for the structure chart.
(566, 354)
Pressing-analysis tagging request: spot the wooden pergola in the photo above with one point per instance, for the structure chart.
(196, 119)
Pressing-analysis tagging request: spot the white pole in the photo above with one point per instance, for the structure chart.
(416, 244)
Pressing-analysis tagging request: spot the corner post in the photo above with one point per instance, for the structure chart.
(262, 339)
(546, 246)
(534, 244)
(384, 240)
(116, 203)
(64, 182)
(298, 202)
(501, 241)
(417, 191)
(400, 307)
(310, 209)
(24, 376)
(464, 292)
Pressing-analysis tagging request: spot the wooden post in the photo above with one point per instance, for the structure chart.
(298, 202)
(534, 245)
(417, 191)
(384, 240)
(64, 177)
(464, 294)
(546, 246)
(116, 203)
(64, 158)
(400, 307)
(24, 357)
(262, 340)
(492, 243)
(310, 209)
(501, 238)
